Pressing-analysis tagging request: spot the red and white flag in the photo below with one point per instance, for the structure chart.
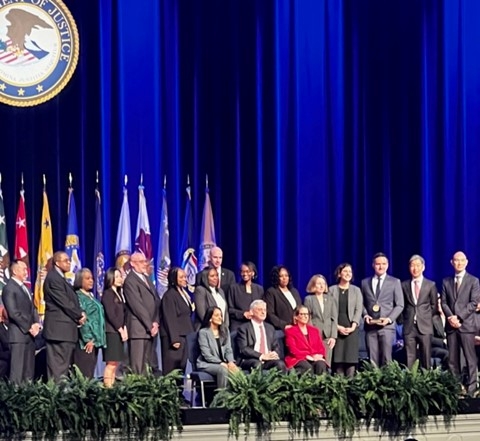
(21, 237)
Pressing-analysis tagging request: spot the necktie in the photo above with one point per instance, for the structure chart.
(377, 289)
(25, 290)
(263, 343)
(417, 288)
(458, 281)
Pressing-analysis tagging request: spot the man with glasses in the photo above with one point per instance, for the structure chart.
(63, 317)
(143, 311)
(257, 343)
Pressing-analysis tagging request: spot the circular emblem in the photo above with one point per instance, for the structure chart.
(376, 308)
(39, 48)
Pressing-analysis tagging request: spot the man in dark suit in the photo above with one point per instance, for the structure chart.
(226, 277)
(4, 345)
(143, 310)
(439, 340)
(63, 317)
(23, 326)
(382, 304)
(420, 299)
(460, 297)
(256, 341)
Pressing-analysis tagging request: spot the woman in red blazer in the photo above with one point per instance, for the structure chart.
(304, 344)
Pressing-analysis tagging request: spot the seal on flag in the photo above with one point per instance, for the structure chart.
(39, 48)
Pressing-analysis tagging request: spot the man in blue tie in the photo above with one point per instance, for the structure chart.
(382, 304)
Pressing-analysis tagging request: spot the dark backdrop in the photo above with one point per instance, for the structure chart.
(329, 130)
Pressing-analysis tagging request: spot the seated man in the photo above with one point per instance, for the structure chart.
(256, 341)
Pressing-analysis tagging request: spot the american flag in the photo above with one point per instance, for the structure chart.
(13, 55)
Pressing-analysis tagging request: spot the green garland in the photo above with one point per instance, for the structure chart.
(80, 408)
(391, 399)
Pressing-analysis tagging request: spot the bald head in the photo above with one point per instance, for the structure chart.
(216, 257)
(459, 262)
(139, 262)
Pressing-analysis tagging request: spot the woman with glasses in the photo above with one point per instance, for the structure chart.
(305, 349)
(323, 311)
(241, 295)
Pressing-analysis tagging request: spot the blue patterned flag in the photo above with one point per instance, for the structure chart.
(123, 246)
(98, 255)
(187, 251)
(207, 233)
(163, 256)
(72, 241)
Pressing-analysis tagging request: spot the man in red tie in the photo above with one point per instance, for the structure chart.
(420, 305)
(256, 341)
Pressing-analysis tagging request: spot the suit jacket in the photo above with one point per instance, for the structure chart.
(176, 316)
(62, 309)
(463, 305)
(279, 310)
(438, 333)
(21, 312)
(115, 311)
(355, 302)
(239, 301)
(424, 309)
(209, 353)
(246, 341)
(143, 305)
(4, 352)
(390, 300)
(298, 346)
(227, 278)
(203, 300)
(327, 320)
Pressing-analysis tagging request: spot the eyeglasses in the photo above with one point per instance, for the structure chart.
(304, 313)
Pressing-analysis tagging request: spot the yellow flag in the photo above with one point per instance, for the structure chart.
(45, 252)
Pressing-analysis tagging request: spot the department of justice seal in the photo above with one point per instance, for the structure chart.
(39, 48)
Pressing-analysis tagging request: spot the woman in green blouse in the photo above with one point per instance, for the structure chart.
(92, 333)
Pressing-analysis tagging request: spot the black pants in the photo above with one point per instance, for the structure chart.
(59, 358)
(317, 367)
(86, 362)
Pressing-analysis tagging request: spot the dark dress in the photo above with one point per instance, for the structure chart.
(115, 309)
(239, 300)
(347, 346)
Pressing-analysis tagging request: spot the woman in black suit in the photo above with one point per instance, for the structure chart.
(113, 302)
(282, 298)
(241, 295)
(209, 294)
(176, 321)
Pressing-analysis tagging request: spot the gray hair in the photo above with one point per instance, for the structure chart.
(257, 303)
(416, 257)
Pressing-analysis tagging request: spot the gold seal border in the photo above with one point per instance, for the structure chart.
(67, 75)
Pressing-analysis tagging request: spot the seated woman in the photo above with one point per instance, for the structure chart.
(208, 294)
(216, 354)
(241, 295)
(305, 349)
(92, 334)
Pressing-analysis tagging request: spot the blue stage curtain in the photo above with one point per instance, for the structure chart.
(329, 130)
